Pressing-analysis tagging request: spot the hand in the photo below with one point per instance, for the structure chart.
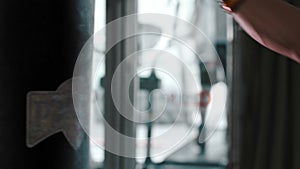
(231, 5)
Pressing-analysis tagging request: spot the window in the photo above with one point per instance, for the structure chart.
(177, 92)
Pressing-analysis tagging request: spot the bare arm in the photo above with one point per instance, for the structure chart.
(273, 23)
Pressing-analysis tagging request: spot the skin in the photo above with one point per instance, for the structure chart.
(273, 23)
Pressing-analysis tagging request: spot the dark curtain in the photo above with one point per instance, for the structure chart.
(265, 107)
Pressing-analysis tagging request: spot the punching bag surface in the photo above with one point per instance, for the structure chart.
(39, 45)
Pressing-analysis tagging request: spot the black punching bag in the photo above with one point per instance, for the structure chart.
(39, 44)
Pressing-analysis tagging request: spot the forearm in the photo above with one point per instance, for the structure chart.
(273, 23)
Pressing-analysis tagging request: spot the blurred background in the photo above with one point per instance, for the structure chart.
(177, 102)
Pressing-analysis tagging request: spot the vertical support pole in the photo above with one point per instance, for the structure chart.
(116, 9)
